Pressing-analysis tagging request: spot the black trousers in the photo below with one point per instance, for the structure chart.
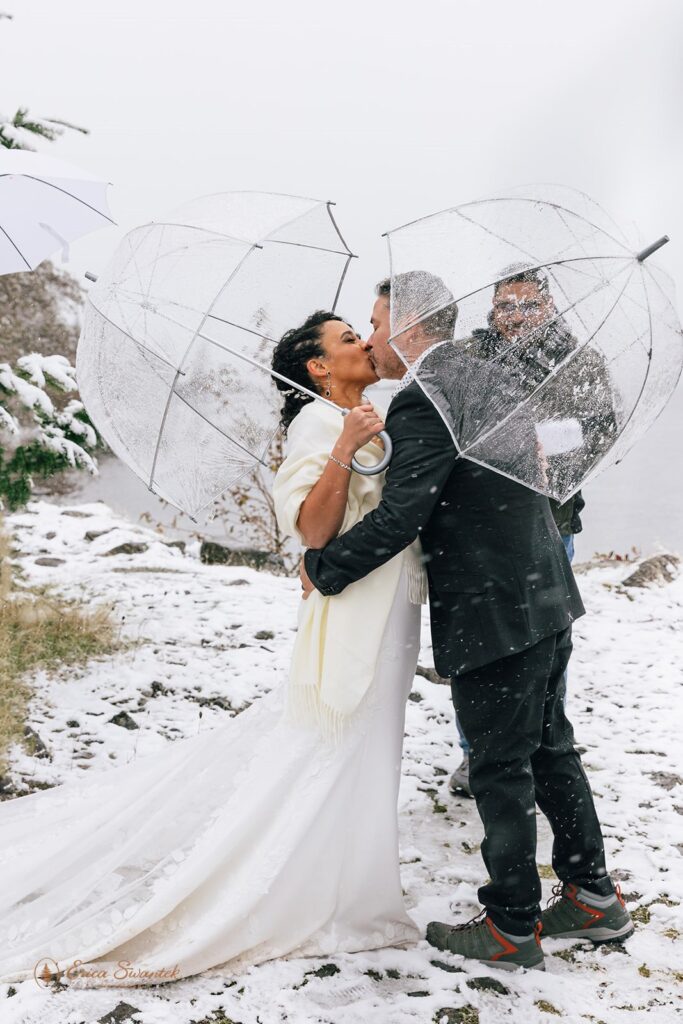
(522, 754)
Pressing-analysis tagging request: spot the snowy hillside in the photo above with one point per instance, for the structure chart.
(205, 641)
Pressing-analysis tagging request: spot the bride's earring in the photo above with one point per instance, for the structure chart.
(328, 386)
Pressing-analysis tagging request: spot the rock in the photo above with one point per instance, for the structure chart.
(431, 674)
(238, 583)
(34, 744)
(48, 560)
(94, 534)
(129, 548)
(456, 1015)
(212, 553)
(326, 971)
(486, 984)
(51, 535)
(159, 690)
(654, 571)
(415, 697)
(76, 514)
(264, 634)
(211, 702)
(446, 967)
(121, 1013)
(7, 788)
(123, 719)
(180, 544)
(73, 724)
(667, 780)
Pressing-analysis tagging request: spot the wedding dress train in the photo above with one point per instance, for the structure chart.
(254, 840)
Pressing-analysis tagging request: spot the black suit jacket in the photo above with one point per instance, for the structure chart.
(499, 576)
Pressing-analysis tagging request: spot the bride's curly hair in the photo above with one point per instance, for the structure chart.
(290, 356)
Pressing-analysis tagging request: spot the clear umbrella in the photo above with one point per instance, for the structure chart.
(173, 362)
(564, 342)
(45, 204)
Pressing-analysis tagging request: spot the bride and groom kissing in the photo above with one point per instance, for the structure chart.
(276, 835)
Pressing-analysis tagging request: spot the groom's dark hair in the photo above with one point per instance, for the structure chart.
(440, 324)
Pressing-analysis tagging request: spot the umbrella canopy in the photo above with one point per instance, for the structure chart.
(563, 342)
(45, 204)
(174, 358)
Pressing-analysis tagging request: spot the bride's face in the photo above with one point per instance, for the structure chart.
(347, 358)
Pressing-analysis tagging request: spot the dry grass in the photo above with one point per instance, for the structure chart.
(40, 629)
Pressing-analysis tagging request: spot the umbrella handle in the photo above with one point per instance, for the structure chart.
(380, 466)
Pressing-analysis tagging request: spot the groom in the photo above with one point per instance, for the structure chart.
(502, 600)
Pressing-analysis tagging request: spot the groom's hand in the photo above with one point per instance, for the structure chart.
(306, 585)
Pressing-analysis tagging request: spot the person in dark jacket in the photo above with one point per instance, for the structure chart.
(527, 338)
(502, 602)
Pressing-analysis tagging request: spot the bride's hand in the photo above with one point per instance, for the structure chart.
(307, 587)
(360, 425)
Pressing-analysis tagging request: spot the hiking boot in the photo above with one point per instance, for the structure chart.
(577, 912)
(481, 940)
(459, 782)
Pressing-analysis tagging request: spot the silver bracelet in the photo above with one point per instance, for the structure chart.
(340, 463)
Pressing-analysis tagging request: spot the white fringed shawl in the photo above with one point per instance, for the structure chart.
(338, 638)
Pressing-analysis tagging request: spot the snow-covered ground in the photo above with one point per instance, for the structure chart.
(204, 641)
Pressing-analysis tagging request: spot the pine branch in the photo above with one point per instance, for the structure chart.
(18, 132)
(66, 124)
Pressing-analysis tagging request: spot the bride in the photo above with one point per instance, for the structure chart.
(275, 834)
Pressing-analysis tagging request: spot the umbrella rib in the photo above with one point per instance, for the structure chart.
(661, 291)
(531, 255)
(581, 246)
(475, 291)
(206, 231)
(336, 227)
(221, 432)
(341, 282)
(187, 352)
(649, 361)
(240, 327)
(207, 316)
(66, 192)
(273, 373)
(557, 368)
(508, 199)
(555, 319)
(16, 247)
(501, 472)
(131, 261)
(293, 220)
(304, 245)
(501, 238)
(135, 341)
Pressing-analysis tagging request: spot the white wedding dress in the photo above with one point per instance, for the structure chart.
(255, 840)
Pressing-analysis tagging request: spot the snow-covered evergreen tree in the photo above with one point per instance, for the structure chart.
(37, 438)
(39, 435)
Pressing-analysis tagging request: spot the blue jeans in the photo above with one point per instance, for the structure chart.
(568, 541)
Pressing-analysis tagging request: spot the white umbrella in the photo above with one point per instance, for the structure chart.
(44, 205)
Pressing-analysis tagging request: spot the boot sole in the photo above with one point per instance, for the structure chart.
(596, 935)
(508, 966)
